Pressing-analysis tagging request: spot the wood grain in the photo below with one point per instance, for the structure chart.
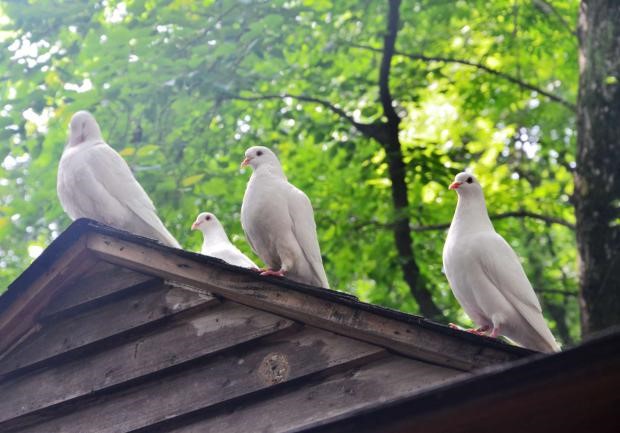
(335, 396)
(20, 317)
(101, 281)
(448, 349)
(204, 333)
(141, 307)
(217, 380)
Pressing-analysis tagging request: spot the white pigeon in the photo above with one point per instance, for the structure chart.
(95, 182)
(278, 221)
(216, 244)
(486, 276)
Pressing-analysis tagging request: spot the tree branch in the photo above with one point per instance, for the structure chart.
(444, 226)
(368, 129)
(503, 75)
(389, 41)
(549, 9)
(514, 214)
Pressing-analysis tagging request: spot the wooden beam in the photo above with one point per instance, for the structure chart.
(143, 307)
(21, 315)
(325, 399)
(243, 372)
(102, 281)
(168, 347)
(413, 340)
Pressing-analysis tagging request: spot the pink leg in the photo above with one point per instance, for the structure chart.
(494, 333)
(478, 331)
(279, 273)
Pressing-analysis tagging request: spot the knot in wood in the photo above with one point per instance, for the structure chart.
(274, 368)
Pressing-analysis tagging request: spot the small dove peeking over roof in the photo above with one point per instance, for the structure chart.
(95, 182)
(278, 221)
(486, 276)
(216, 244)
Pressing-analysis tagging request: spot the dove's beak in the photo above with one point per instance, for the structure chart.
(455, 185)
(245, 162)
(195, 225)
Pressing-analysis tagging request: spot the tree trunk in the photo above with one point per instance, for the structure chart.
(597, 178)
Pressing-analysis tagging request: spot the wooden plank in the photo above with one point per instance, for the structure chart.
(218, 379)
(144, 306)
(190, 337)
(101, 281)
(21, 315)
(449, 349)
(570, 392)
(379, 382)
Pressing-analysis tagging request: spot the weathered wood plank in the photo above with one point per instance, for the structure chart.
(143, 306)
(575, 391)
(382, 381)
(187, 338)
(217, 380)
(20, 316)
(443, 348)
(101, 281)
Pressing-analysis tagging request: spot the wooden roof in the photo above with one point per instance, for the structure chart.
(110, 332)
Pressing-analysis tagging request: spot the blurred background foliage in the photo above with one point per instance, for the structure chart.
(181, 88)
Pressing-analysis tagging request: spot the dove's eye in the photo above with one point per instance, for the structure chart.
(208, 217)
(259, 153)
(469, 180)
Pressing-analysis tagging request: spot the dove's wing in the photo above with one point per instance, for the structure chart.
(100, 183)
(501, 266)
(304, 230)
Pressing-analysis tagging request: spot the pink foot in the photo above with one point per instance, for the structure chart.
(279, 273)
(477, 331)
(494, 333)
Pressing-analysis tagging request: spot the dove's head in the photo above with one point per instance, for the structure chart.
(259, 156)
(208, 224)
(465, 184)
(83, 127)
(206, 221)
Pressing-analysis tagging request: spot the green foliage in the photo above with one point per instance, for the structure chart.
(164, 80)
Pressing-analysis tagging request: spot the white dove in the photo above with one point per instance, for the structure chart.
(486, 276)
(95, 182)
(279, 222)
(216, 244)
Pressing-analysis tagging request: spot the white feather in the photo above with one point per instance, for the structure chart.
(486, 275)
(95, 182)
(278, 221)
(216, 243)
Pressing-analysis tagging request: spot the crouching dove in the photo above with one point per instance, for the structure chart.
(279, 222)
(486, 276)
(95, 182)
(216, 244)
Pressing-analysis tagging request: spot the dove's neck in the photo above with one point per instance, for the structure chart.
(85, 143)
(269, 170)
(216, 235)
(471, 215)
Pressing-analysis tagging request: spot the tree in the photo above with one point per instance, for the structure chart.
(372, 107)
(597, 178)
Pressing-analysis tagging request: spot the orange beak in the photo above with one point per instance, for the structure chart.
(455, 185)
(195, 225)
(245, 162)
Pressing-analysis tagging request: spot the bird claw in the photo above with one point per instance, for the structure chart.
(476, 331)
(279, 273)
